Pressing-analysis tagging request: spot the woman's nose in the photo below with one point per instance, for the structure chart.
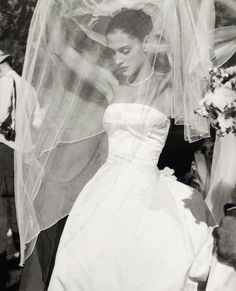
(118, 59)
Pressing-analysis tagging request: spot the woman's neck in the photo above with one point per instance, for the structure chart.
(141, 75)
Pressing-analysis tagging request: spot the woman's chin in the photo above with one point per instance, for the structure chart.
(120, 77)
(122, 80)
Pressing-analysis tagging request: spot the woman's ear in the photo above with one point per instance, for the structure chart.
(146, 42)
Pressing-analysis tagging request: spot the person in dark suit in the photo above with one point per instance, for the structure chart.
(9, 240)
(225, 236)
(177, 153)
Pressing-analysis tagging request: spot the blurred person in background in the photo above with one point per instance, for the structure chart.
(11, 85)
(9, 242)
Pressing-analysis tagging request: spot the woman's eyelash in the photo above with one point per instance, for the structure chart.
(125, 51)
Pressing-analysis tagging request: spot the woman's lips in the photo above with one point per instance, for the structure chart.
(121, 70)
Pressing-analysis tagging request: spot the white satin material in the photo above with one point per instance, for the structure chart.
(132, 228)
(221, 278)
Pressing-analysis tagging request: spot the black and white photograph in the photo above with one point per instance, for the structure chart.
(118, 145)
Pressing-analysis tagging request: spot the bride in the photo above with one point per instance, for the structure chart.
(131, 226)
(126, 68)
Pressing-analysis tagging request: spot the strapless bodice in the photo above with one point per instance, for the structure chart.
(136, 132)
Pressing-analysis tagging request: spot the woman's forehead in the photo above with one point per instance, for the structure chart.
(119, 38)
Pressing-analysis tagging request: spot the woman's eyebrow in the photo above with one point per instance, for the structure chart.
(124, 47)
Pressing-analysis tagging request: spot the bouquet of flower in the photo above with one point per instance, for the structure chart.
(219, 103)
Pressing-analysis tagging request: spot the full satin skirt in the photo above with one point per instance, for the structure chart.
(133, 228)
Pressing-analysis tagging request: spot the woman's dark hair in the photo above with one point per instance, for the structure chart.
(133, 22)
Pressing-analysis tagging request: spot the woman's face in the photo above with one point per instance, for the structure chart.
(128, 51)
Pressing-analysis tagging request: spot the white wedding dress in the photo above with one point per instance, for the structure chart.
(134, 228)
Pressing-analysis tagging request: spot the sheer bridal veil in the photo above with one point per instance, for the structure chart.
(58, 155)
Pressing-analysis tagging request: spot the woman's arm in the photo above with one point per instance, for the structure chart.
(100, 78)
(58, 43)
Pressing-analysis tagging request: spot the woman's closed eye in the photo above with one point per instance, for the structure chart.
(124, 50)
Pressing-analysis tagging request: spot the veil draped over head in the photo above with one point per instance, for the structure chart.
(61, 148)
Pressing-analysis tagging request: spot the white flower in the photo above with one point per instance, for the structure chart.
(219, 103)
(224, 125)
(208, 99)
(221, 97)
(231, 70)
(168, 172)
(225, 75)
(202, 111)
(228, 85)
